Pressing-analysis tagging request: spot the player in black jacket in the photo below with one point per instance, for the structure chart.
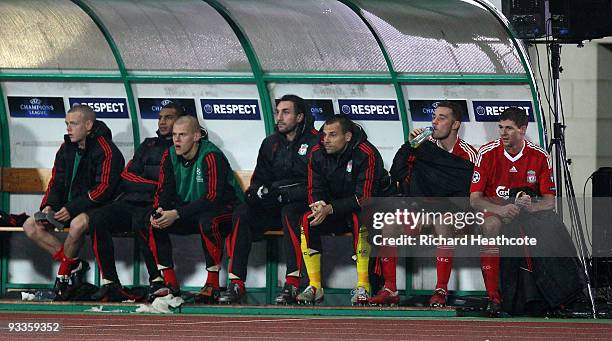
(196, 194)
(278, 183)
(343, 171)
(131, 211)
(85, 175)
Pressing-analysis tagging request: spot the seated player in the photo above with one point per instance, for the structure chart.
(131, 211)
(452, 173)
(277, 186)
(506, 163)
(196, 194)
(86, 172)
(344, 170)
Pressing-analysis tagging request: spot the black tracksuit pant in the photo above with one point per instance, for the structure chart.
(250, 223)
(119, 216)
(332, 224)
(212, 226)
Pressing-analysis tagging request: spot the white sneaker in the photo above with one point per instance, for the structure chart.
(310, 295)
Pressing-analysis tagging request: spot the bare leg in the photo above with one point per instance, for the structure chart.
(76, 235)
(39, 234)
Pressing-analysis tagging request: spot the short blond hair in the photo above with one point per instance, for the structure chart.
(192, 123)
(87, 113)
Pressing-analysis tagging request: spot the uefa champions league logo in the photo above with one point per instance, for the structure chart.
(208, 108)
(480, 110)
(35, 101)
(165, 102)
(346, 109)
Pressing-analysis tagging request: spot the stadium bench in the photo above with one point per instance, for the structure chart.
(36, 180)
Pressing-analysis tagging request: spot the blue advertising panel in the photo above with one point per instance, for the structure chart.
(103, 107)
(230, 109)
(369, 109)
(35, 107)
(150, 107)
(422, 110)
(489, 111)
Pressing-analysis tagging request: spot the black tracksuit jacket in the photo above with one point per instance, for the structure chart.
(97, 176)
(346, 179)
(140, 176)
(283, 162)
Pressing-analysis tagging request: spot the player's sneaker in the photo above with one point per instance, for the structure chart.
(153, 288)
(287, 295)
(310, 295)
(77, 274)
(60, 288)
(385, 296)
(208, 295)
(360, 296)
(233, 295)
(111, 292)
(438, 299)
(161, 289)
(494, 308)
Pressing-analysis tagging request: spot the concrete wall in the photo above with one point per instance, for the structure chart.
(586, 89)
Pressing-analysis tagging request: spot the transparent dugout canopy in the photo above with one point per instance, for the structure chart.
(181, 36)
(322, 36)
(456, 37)
(45, 35)
(441, 36)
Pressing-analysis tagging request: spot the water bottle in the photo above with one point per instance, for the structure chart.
(416, 142)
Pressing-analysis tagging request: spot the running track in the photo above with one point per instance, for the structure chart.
(181, 327)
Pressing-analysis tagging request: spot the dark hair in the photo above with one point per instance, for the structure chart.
(516, 115)
(345, 123)
(456, 109)
(180, 110)
(298, 103)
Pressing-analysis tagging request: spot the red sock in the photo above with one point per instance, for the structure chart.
(59, 255)
(489, 261)
(170, 278)
(389, 268)
(239, 282)
(444, 265)
(293, 280)
(66, 266)
(213, 279)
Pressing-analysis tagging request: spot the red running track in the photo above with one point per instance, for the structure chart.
(185, 327)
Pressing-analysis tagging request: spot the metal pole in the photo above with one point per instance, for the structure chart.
(555, 50)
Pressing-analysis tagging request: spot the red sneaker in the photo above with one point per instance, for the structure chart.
(208, 295)
(385, 296)
(494, 308)
(438, 299)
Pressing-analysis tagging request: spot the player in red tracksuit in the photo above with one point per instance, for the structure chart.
(446, 121)
(502, 165)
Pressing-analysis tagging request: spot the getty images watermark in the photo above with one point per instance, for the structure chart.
(404, 225)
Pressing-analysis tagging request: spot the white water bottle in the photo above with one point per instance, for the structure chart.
(416, 142)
